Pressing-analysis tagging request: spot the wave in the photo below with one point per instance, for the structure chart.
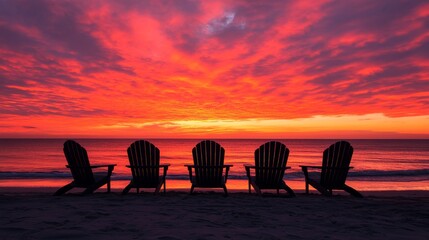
(34, 175)
(391, 175)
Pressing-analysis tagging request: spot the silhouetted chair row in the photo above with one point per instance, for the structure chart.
(209, 170)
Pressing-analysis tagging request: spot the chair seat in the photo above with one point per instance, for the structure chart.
(315, 178)
(146, 183)
(262, 185)
(208, 184)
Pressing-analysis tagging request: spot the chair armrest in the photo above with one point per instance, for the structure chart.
(248, 167)
(227, 166)
(165, 167)
(307, 166)
(189, 166)
(103, 165)
(305, 169)
(110, 168)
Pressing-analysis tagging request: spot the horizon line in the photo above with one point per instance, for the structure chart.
(188, 138)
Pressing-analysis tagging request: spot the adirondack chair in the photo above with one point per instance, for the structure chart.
(208, 165)
(83, 177)
(333, 172)
(144, 164)
(269, 168)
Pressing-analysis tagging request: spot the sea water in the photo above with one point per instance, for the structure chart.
(395, 164)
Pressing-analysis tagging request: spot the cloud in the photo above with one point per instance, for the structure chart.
(220, 24)
(175, 61)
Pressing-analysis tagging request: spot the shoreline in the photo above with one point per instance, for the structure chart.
(48, 191)
(232, 184)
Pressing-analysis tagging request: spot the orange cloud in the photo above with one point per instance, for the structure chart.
(213, 68)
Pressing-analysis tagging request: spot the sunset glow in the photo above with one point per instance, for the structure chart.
(233, 69)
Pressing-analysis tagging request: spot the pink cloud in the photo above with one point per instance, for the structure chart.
(212, 59)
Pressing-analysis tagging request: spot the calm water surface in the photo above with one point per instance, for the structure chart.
(378, 164)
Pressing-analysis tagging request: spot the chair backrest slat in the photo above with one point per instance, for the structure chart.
(270, 163)
(144, 160)
(336, 160)
(208, 158)
(77, 159)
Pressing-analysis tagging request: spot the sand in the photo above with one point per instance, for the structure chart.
(36, 214)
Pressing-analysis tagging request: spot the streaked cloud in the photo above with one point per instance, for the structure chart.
(213, 67)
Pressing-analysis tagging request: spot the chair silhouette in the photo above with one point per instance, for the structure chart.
(208, 159)
(333, 172)
(269, 168)
(144, 164)
(83, 177)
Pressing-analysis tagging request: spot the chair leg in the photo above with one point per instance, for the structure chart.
(257, 190)
(327, 192)
(289, 190)
(306, 187)
(192, 189)
(108, 186)
(352, 191)
(250, 191)
(158, 188)
(319, 187)
(225, 190)
(90, 190)
(126, 189)
(64, 189)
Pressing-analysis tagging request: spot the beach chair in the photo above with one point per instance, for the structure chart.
(144, 164)
(208, 165)
(83, 177)
(269, 168)
(333, 172)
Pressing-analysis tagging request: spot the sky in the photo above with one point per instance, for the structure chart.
(220, 69)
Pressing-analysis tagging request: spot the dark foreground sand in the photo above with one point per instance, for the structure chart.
(177, 215)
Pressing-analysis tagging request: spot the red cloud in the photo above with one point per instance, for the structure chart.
(125, 61)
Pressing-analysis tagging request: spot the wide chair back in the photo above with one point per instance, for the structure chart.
(77, 159)
(144, 162)
(208, 160)
(335, 165)
(270, 164)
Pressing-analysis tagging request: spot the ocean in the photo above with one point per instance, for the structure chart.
(395, 164)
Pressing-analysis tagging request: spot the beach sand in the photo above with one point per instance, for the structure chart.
(36, 214)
